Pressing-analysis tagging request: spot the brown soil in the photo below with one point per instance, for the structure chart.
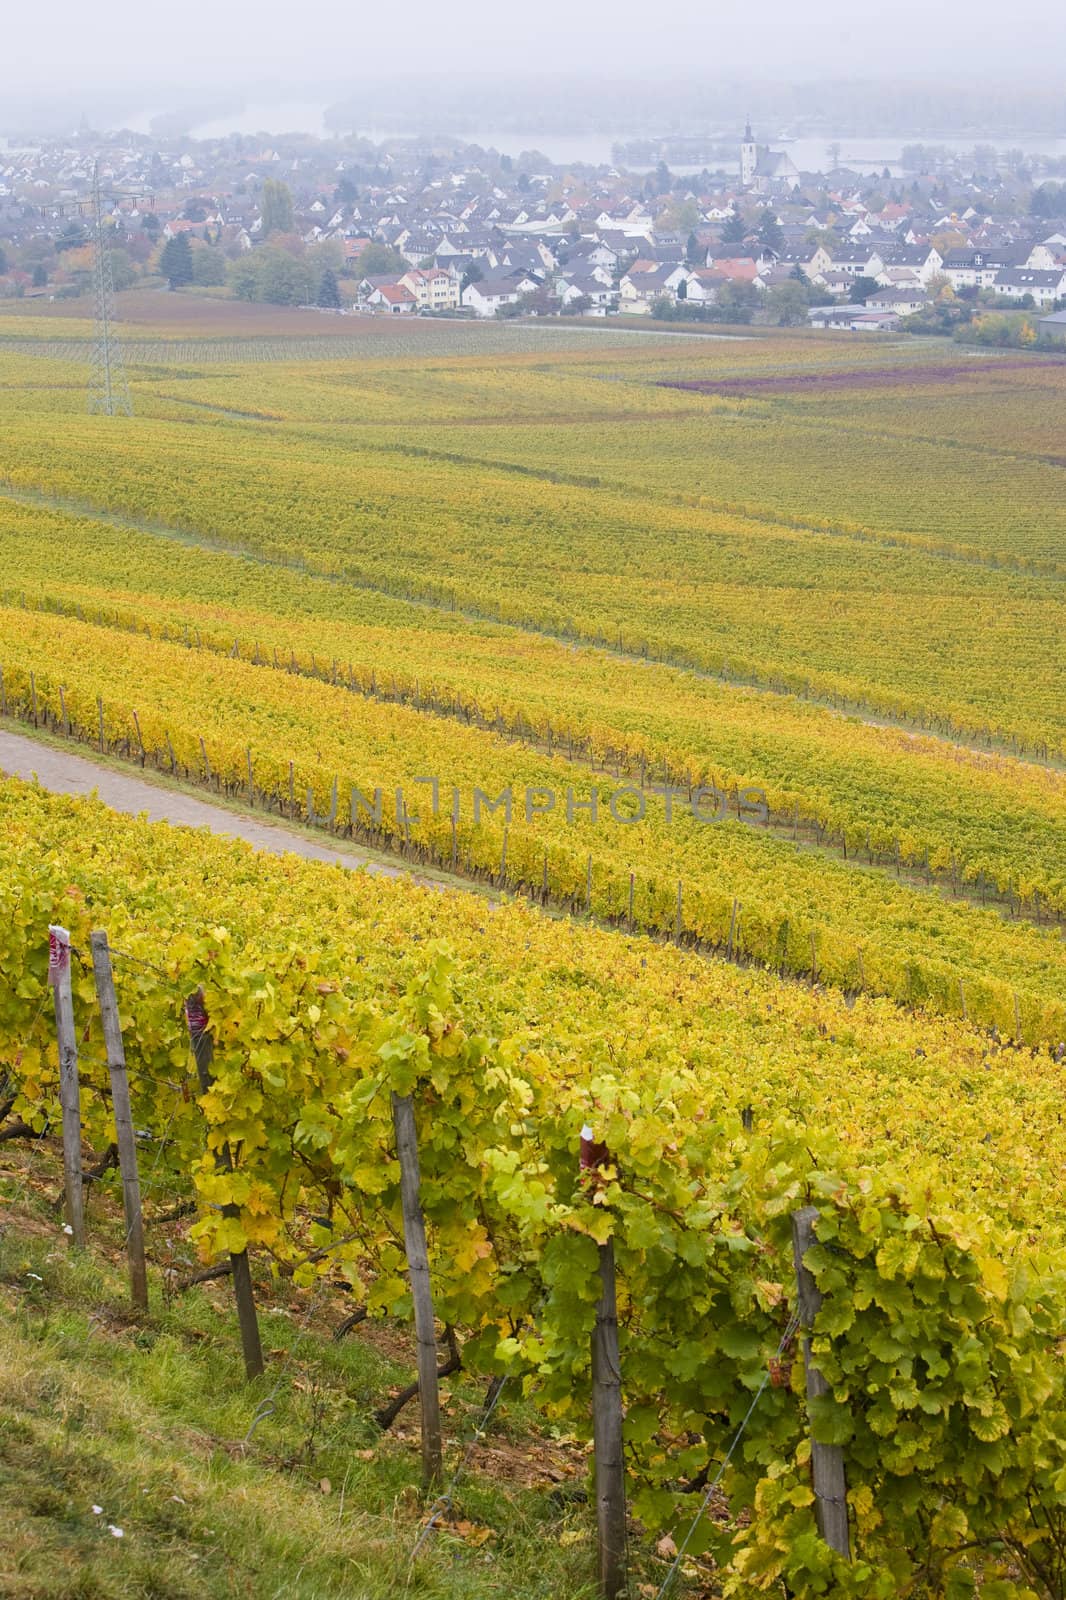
(200, 316)
(859, 378)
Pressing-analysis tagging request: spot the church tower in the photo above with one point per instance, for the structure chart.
(749, 157)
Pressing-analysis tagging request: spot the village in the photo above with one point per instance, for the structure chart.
(428, 228)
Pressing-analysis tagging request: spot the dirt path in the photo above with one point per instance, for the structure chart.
(61, 772)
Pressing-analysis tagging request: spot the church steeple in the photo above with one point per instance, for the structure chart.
(749, 155)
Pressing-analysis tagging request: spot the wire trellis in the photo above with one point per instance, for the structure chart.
(675, 1565)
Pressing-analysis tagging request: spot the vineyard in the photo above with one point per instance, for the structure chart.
(317, 749)
(509, 1041)
(893, 621)
(783, 647)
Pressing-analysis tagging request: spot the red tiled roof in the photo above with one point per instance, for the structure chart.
(739, 267)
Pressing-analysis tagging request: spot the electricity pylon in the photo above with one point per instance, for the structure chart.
(109, 392)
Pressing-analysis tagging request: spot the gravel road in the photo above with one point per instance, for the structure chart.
(62, 772)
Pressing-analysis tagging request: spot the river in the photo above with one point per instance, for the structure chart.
(809, 154)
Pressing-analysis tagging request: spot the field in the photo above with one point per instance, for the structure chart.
(732, 672)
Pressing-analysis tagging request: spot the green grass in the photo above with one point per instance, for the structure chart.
(147, 1416)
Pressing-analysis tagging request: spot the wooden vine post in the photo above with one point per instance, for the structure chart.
(414, 1234)
(827, 1460)
(69, 1091)
(203, 1049)
(120, 1104)
(607, 1442)
(732, 930)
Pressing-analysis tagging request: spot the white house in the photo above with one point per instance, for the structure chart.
(1045, 287)
(903, 300)
(854, 261)
(594, 290)
(1046, 257)
(579, 274)
(487, 295)
(639, 290)
(591, 253)
(853, 319)
(702, 286)
(968, 269)
(394, 298)
(911, 264)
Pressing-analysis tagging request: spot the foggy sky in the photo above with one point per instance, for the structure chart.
(288, 49)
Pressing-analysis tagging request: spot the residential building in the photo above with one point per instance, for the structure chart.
(588, 253)
(968, 269)
(395, 299)
(813, 259)
(853, 319)
(592, 289)
(433, 288)
(638, 291)
(924, 261)
(1053, 327)
(1043, 287)
(488, 295)
(1046, 256)
(738, 269)
(854, 261)
(703, 285)
(905, 302)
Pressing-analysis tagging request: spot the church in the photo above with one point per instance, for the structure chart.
(761, 168)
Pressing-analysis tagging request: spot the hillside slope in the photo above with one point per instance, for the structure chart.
(130, 1471)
